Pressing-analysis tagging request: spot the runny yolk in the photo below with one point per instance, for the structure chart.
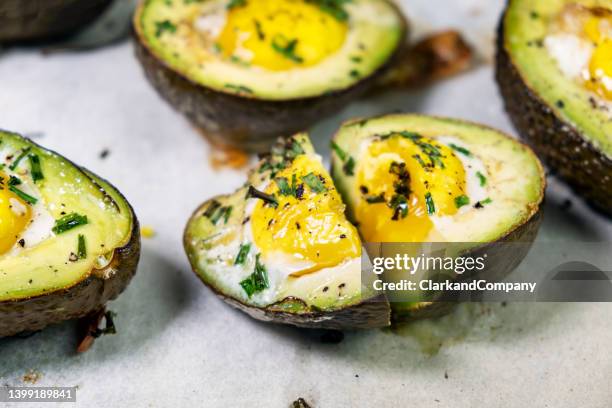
(15, 214)
(403, 180)
(308, 227)
(280, 34)
(599, 31)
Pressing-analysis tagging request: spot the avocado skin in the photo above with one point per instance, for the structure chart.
(248, 123)
(499, 262)
(90, 295)
(28, 20)
(558, 143)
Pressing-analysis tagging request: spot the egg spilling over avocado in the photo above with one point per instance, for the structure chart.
(68, 240)
(249, 71)
(415, 179)
(554, 69)
(281, 249)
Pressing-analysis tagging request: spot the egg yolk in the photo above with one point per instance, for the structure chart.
(308, 224)
(280, 34)
(15, 214)
(403, 180)
(598, 30)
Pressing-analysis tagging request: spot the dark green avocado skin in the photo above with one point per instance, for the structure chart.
(90, 295)
(242, 122)
(558, 143)
(29, 20)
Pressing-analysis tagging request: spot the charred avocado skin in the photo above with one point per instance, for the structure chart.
(234, 115)
(28, 20)
(34, 310)
(502, 222)
(331, 298)
(561, 134)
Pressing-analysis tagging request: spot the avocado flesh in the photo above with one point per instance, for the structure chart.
(376, 30)
(555, 114)
(46, 267)
(331, 297)
(515, 185)
(31, 20)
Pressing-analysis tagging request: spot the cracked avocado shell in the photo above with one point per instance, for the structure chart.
(69, 241)
(26, 20)
(411, 179)
(280, 248)
(247, 72)
(554, 70)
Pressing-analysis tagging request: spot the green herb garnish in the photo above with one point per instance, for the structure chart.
(461, 200)
(399, 204)
(286, 48)
(266, 198)
(242, 254)
(239, 88)
(24, 196)
(431, 206)
(81, 248)
(341, 153)
(486, 201)
(35, 168)
(69, 222)
(460, 149)
(333, 7)
(222, 212)
(375, 199)
(14, 165)
(257, 281)
(283, 186)
(236, 3)
(349, 167)
(163, 27)
(349, 162)
(315, 183)
(482, 178)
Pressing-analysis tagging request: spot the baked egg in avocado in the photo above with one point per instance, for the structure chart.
(249, 71)
(554, 69)
(69, 241)
(281, 249)
(417, 179)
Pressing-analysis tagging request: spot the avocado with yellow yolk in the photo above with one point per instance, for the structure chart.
(250, 71)
(69, 241)
(418, 179)
(281, 249)
(554, 70)
(29, 20)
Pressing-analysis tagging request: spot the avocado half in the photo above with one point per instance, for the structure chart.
(80, 249)
(242, 246)
(564, 122)
(249, 247)
(28, 20)
(242, 105)
(398, 176)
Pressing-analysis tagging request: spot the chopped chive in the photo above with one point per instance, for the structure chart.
(461, 200)
(486, 201)
(341, 153)
(460, 149)
(24, 196)
(24, 152)
(222, 212)
(349, 167)
(239, 88)
(399, 204)
(14, 181)
(335, 8)
(286, 48)
(81, 248)
(212, 208)
(236, 3)
(431, 206)
(283, 186)
(315, 183)
(69, 222)
(482, 178)
(242, 254)
(164, 26)
(267, 198)
(375, 199)
(35, 168)
(257, 281)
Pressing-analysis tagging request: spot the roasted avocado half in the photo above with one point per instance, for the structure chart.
(412, 179)
(281, 249)
(69, 241)
(249, 71)
(554, 69)
(26, 20)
